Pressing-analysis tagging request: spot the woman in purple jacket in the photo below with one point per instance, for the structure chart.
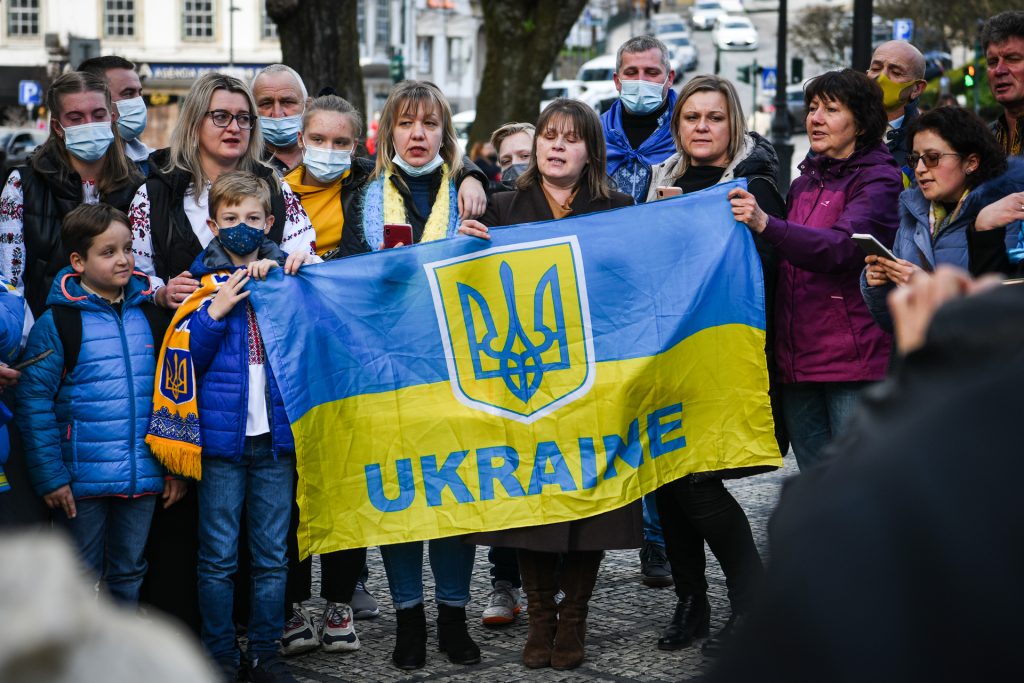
(827, 346)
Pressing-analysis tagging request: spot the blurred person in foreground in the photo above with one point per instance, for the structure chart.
(913, 534)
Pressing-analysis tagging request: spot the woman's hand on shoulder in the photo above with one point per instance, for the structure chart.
(1001, 213)
(472, 198)
(474, 229)
(746, 211)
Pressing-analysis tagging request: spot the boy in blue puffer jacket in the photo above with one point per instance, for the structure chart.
(245, 449)
(84, 426)
(12, 325)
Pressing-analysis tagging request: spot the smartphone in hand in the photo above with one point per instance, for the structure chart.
(666, 191)
(871, 246)
(397, 233)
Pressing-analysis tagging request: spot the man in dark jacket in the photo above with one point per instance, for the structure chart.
(902, 560)
(280, 98)
(898, 67)
(1002, 38)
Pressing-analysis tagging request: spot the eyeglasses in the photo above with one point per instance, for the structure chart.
(223, 119)
(930, 159)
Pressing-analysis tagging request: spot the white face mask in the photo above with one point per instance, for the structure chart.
(326, 165)
(416, 171)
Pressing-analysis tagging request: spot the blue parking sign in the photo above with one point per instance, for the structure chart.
(769, 78)
(903, 29)
(30, 93)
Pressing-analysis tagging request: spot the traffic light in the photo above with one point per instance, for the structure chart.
(796, 70)
(969, 77)
(744, 73)
(396, 68)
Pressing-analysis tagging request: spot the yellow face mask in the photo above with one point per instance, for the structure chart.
(892, 93)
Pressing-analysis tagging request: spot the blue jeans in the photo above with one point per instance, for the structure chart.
(814, 413)
(110, 534)
(451, 561)
(652, 522)
(264, 485)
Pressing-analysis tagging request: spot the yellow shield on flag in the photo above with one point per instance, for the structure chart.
(515, 324)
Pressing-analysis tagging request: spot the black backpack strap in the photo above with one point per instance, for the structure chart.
(68, 321)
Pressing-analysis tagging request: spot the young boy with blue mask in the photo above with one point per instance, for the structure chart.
(219, 417)
(82, 410)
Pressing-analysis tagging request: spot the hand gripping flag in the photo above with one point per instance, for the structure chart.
(563, 369)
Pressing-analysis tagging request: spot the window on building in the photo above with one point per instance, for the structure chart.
(424, 53)
(361, 27)
(23, 17)
(269, 31)
(119, 18)
(197, 18)
(456, 60)
(383, 25)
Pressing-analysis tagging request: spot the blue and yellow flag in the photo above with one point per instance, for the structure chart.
(562, 369)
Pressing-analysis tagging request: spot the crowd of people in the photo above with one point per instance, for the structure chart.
(106, 244)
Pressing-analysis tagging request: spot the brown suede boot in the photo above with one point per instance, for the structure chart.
(538, 571)
(579, 574)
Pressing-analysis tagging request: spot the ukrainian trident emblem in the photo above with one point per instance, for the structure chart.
(515, 325)
(176, 382)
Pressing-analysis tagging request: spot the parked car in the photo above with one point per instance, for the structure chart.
(794, 103)
(551, 90)
(682, 48)
(733, 6)
(704, 13)
(666, 23)
(734, 33)
(17, 145)
(597, 71)
(600, 97)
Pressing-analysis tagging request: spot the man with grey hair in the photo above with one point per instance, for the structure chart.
(1002, 39)
(898, 67)
(637, 127)
(280, 98)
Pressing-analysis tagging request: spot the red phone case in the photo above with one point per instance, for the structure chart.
(397, 233)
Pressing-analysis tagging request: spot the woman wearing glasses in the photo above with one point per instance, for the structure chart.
(827, 347)
(217, 131)
(959, 168)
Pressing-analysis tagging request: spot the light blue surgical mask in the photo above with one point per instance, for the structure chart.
(131, 118)
(89, 141)
(416, 171)
(642, 97)
(283, 132)
(326, 165)
(241, 239)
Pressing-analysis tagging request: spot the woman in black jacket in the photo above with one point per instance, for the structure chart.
(566, 177)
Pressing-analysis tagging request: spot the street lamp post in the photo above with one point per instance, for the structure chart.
(231, 33)
(781, 131)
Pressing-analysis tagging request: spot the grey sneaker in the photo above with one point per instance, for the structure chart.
(654, 566)
(364, 605)
(503, 605)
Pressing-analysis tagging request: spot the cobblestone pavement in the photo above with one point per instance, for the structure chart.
(625, 620)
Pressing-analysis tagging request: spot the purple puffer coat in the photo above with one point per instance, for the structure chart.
(824, 332)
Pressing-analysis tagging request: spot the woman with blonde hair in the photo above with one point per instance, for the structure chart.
(82, 162)
(218, 130)
(418, 157)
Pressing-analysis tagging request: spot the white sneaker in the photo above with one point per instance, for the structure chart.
(504, 603)
(299, 635)
(338, 631)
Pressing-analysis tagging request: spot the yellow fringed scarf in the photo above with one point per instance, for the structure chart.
(437, 224)
(174, 435)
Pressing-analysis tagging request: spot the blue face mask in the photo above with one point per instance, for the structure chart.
(89, 141)
(282, 132)
(131, 118)
(641, 97)
(416, 171)
(326, 165)
(241, 239)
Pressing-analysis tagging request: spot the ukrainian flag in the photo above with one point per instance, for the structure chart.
(563, 369)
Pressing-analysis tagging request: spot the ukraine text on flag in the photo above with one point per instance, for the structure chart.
(562, 369)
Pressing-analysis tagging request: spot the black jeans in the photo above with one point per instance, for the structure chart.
(695, 511)
(339, 571)
(504, 566)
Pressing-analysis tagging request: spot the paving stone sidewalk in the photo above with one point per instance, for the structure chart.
(625, 620)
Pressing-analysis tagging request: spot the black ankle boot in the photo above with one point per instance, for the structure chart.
(410, 638)
(692, 619)
(452, 636)
(714, 645)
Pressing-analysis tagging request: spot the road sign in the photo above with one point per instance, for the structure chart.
(30, 93)
(769, 78)
(903, 29)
